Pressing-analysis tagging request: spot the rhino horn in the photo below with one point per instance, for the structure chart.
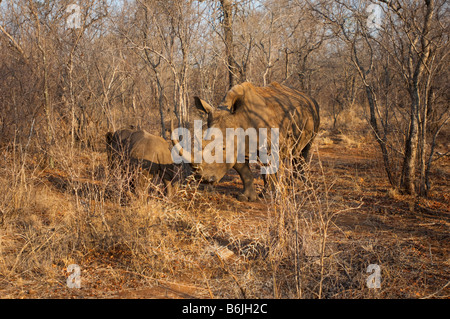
(178, 148)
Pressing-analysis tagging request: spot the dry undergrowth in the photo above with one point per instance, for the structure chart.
(312, 238)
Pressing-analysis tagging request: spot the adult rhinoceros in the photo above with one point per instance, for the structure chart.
(138, 149)
(292, 113)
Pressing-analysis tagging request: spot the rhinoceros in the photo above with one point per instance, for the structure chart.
(293, 113)
(140, 150)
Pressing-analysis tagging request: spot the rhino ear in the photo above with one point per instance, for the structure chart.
(236, 105)
(202, 105)
(235, 97)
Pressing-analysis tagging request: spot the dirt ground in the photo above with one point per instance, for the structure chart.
(215, 249)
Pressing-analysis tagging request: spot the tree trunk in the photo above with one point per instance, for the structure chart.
(423, 187)
(376, 131)
(161, 103)
(228, 37)
(410, 159)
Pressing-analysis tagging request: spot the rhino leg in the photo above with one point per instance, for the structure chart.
(246, 175)
(301, 162)
(167, 173)
(305, 152)
(270, 182)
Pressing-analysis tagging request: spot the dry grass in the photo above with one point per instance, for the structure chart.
(314, 238)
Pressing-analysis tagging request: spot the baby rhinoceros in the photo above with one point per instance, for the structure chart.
(134, 150)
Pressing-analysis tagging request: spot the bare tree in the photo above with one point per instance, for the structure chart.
(407, 43)
(350, 28)
(416, 35)
(227, 24)
(166, 36)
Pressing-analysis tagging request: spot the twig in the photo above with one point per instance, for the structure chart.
(437, 291)
(228, 271)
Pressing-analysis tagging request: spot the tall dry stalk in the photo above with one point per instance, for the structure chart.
(300, 218)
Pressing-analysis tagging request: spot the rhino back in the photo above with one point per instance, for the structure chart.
(277, 106)
(146, 146)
